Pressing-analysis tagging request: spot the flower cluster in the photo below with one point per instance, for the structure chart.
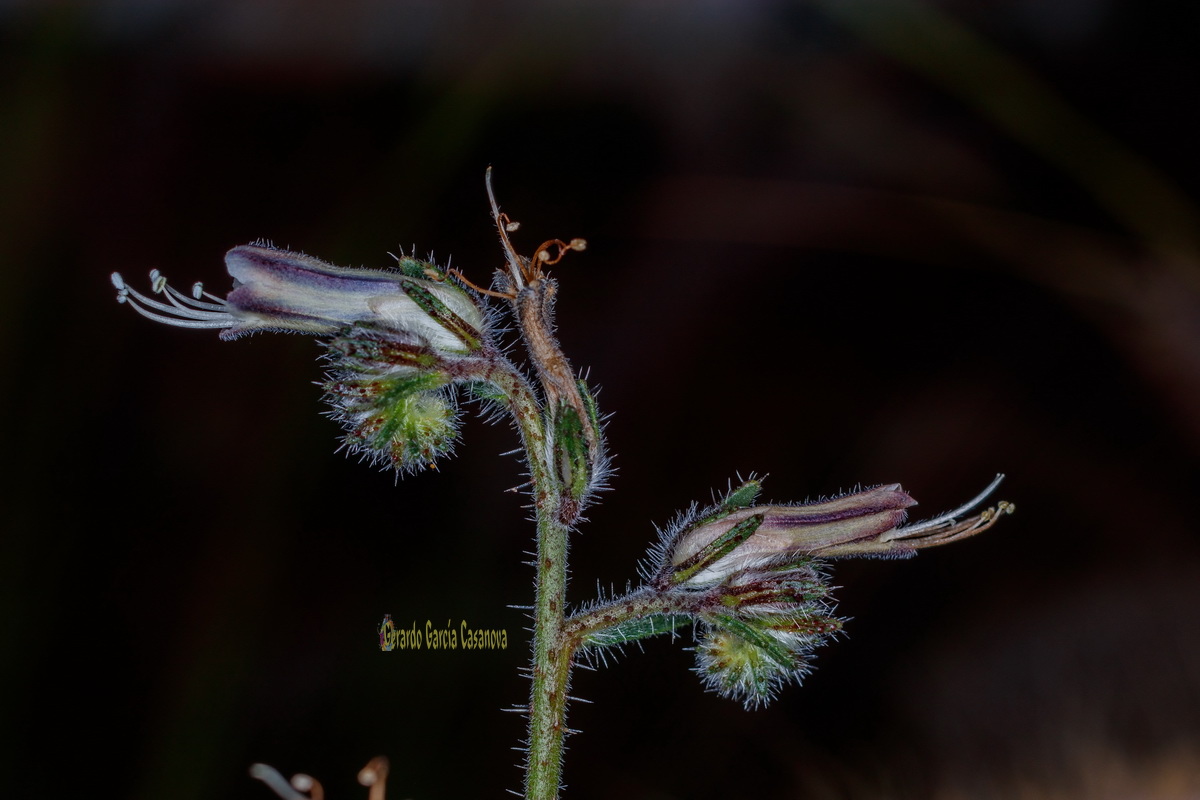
(397, 336)
(751, 576)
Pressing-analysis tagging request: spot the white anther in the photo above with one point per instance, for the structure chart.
(158, 281)
(302, 782)
(188, 305)
(117, 281)
(197, 290)
(200, 315)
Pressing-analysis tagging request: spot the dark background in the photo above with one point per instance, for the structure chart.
(827, 243)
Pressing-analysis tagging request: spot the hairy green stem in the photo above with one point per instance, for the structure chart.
(555, 639)
(558, 488)
(551, 659)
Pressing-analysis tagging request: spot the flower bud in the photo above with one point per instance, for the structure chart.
(391, 396)
(739, 669)
(759, 628)
(408, 434)
(744, 660)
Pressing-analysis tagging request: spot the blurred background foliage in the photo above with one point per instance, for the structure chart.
(836, 242)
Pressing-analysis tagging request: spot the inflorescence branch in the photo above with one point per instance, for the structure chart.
(401, 344)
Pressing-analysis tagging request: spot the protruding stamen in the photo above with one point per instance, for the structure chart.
(944, 520)
(181, 311)
(176, 298)
(953, 531)
(178, 323)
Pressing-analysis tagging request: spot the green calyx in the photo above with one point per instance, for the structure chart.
(572, 452)
(741, 496)
(434, 307)
(416, 268)
(589, 405)
(716, 549)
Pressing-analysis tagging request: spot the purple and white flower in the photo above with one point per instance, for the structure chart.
(279, 290)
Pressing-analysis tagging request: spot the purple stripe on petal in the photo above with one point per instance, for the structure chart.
(281, 290)
(254, 263)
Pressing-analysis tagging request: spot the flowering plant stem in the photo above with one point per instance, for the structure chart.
(552, 656)
(748, 577)
(551, 652)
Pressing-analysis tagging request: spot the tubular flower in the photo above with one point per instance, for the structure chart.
(866, 523)
(278, 290)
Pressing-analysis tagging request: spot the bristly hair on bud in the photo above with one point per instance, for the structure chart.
(394, 423)
(393, 397)
(750, 672)
(760, 630)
